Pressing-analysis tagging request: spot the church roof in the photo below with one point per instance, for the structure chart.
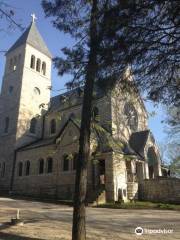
(74, 97)
(41, 142)
(138, 141)
(33, 38)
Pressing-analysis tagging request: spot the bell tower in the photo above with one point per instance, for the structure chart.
(25, 88)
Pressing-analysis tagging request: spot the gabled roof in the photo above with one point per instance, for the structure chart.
(33, 38)
(48, 141)
(138, 141)
(76, 95)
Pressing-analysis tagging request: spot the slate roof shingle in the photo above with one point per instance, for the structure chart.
(138, 141)
(33, 38)
(57, 103)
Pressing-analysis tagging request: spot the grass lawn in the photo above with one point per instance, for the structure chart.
(140, 205)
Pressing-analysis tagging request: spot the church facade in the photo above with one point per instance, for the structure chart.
(39, 134)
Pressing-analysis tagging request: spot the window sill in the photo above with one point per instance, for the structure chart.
(32, 69)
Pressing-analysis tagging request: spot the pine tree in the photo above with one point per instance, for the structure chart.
(84, 20)
(111, 35)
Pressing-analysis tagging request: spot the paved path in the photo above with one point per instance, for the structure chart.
(48, 221)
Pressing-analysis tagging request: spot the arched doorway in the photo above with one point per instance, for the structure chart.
(153, 163)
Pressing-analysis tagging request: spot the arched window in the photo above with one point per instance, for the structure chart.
(65, 163)
(38, 65)
(27, 168)
(41, 166)
(53, 126)
(3, 169)
(44, 68)
(10, 90)
(49, 165)
(33, 60)
(75, 158)
(6, 125)
(95, 114)
(33, 125)
(20, 169)
(37, 91)
(15, 63)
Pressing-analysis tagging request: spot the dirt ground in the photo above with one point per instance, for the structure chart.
(47, 221)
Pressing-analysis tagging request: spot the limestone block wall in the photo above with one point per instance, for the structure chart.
(74, 107)
(6, 160)
(34, 92)
(119, 177)
(119, 120)
(61, 116)
(166, 190)
(35, 184)
(58, 183)
(132, 190)
(109, 181)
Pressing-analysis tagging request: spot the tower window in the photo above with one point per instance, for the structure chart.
(44, 68)
(41, 166)
(6, 127)
(37, 91)
(65, 163)
(27, 168)
(15, 63)
(53, 126)
(10, 90)
(38, 65)
(3, 169)
(33, 59)
(33, 125)
(20, 169)
(49, 165)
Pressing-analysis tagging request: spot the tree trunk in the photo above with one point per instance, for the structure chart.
(79, 214)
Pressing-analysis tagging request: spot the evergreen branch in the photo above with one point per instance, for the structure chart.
(8, 16)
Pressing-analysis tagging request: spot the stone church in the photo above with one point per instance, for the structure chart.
(39, 134)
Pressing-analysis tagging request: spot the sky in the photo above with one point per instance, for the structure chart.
(55, 41)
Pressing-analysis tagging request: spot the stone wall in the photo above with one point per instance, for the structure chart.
(119, 177)
(166, 190)
(132, 190)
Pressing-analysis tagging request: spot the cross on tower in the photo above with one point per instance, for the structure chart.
(33, 17)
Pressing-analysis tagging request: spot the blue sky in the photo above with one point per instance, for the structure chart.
(56, 40)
